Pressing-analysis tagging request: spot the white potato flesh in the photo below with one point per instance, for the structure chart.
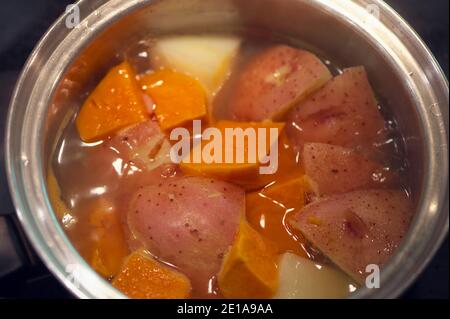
(301, 278)
(207, 58)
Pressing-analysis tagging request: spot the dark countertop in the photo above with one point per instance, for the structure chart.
(23, 22)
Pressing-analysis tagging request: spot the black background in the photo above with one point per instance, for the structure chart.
(23, 22)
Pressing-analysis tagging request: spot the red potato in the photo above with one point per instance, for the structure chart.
(189, 222)
(358, 228)
(143, 146)
(133, 149)
(344, 112)
(274, 81)
(332, 169)
(136, 156)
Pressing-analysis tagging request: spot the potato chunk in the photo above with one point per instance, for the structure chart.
(333, 169)
(302, 278)
(344, 112)
(357, 229)
(274, 81)
(206, 58)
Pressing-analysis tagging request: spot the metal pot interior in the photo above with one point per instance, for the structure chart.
(69, 62)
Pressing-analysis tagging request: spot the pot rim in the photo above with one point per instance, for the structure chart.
(48, 238)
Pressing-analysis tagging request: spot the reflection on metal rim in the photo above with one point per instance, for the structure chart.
(390, 37)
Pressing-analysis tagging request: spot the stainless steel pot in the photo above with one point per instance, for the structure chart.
(67, 62)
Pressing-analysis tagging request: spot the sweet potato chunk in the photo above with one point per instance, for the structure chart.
(333, 169)
(274, 81)
(142, 277)
(358, 228)
(115, 103)
(244, 172)
(110, 248)
(344, 112)
(269, 209)
(178, 98)
(249, 269)
(54, 193)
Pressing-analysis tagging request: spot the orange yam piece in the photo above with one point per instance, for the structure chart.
(54, 194)
(109, 247)
(243, 173)
(178, 98)
(269, 210)
(115, 103)
(289, 166)
(249, 269)
(142, 277)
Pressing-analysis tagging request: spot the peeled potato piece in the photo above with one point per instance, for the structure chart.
(301, 278)
(207, 58)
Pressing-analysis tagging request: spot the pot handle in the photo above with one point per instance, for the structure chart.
(15, 251)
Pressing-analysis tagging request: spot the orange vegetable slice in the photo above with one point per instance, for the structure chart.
(115, 103)
(269, 210)
(54, 193)
(249, 269)
(178, 98)
(243, 172)
(109, 245)
(142, 277)
(289, 166)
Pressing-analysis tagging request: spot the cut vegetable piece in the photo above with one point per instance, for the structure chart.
(115, 103)
(110, 248)
(357, 229)
(274, 81)
(54, 193)
(240, 158)
(344, 113)
(207, 58)
(189, 222)
(142, 277)
(301, 278)
(269, 209)
(178, 98)
(334, 169)
(289, 166)
(249, 269)
(144, 145)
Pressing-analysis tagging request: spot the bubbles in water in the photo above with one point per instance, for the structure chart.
(169, 170)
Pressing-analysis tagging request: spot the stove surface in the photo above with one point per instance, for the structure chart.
(23, 22)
